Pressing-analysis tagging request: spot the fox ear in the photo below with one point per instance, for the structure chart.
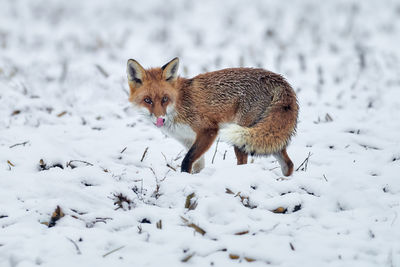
(170, 70)
(135, 73)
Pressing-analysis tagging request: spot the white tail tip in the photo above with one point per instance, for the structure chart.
(233, 134)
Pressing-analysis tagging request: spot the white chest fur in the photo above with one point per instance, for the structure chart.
(182, 132)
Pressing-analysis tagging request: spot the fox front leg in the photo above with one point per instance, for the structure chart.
(203, 142)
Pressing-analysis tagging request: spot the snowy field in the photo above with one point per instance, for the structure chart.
(70, 139)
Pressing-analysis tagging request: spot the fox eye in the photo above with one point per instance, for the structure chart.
(148, 101)
(164, 99)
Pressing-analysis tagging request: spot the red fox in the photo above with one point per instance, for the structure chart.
(255, 110)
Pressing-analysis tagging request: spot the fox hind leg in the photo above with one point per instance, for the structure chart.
(285, 162)
(240, 156)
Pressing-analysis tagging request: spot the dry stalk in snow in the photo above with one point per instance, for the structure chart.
(19, 144)
(57, 214)
(189, 204)
(194, 226)
(215, 151)
(159, 224)
(305, 162)
(188, 257)
(112, 251)
(102, 71)
(144, 154)
(78, 251)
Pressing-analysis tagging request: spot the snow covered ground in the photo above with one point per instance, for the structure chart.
(69, 138)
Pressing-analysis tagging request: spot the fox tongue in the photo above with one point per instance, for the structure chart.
(160, 122)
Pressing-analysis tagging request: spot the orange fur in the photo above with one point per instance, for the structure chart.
(156, 89)
(254, 109)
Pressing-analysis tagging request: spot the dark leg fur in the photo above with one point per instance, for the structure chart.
(202, 143)
(240, 156)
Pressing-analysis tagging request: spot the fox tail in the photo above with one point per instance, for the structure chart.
(270, 135)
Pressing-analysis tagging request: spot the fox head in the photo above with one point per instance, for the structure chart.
(153, 91)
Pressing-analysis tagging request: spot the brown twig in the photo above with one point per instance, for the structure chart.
(165, 176)
(77, 160)
(188, 203)
(215, 152)
(328, 117)
(15, 112)
(172, 168)
(61, 114)
(194, 226)
(242, 233)
(153, 171)
(178, 156)
(120, 199)
(64, 71)
(78, 251)
(57, 214)
(188, 257)
(228, 191)
(10, 163)
(112, 251)
(102, 71)
(159, 224)
(244, 199)
(166, 162)
(19, 144)
(305, 162)
(144, 154)
(233, 256)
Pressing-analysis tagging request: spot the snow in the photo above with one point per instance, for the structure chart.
(63, 99)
